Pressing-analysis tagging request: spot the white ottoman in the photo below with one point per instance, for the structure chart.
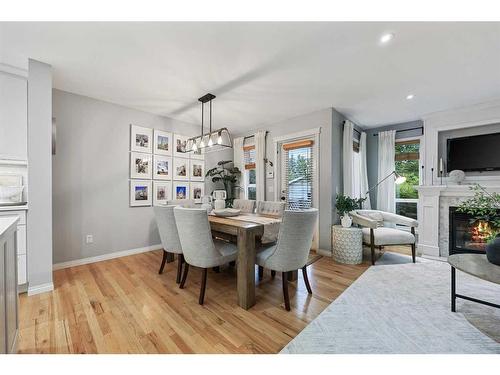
(347, 244)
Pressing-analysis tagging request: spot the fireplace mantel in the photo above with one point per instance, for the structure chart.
(433, 207)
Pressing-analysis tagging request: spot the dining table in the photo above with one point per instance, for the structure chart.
(246, 229)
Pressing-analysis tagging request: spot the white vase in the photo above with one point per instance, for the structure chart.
(346, 221)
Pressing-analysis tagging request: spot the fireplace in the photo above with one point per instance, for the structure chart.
(467, 235)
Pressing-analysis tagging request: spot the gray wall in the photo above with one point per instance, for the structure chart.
(372, 150)
(211, 160)
(457, 133)
(39, 235)
(90, 179)
(329, 164)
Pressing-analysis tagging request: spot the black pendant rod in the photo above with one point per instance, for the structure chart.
(210, 116)
(202, 116)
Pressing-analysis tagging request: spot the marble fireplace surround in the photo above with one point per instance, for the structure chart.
(434, 207)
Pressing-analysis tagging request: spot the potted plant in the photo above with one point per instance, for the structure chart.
(345, 204)
(227, 175)
(485, 207)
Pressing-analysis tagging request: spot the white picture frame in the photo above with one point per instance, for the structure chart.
(140, 193)
(180, 143)
(162, 142)
(199, 154)
(180, 190)
(196, 170)
(162, 192)
(196, 191)
(180, 171)
(162, 167)
(140, 165)
(141, 139)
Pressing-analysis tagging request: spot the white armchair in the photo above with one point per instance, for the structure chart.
(375, 233)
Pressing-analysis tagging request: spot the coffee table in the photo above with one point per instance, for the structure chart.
(476, 265)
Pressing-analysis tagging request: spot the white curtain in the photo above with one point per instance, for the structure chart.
(260, 166)
(386, 200)
(239, 162)
(347, 158)
(364, 171)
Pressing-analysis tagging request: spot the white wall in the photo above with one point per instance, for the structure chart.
(40, 174)
(90, 179)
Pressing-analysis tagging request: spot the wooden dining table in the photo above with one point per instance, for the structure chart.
(245, 232)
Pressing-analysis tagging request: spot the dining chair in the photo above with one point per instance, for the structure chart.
(244, 205)
(292, 248)
(165, 221)
(199, 249)
(270, 208)
(182, 202)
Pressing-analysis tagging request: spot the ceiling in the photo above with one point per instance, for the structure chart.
(267, 72)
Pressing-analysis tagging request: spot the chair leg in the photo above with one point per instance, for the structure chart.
(413, 252)
(372, 245)
(184, 275)
(306, 280)
(273, 273)
(261, 272)
(216, 269)
(180, 260)
(284, 277)
(233, 263)
(163, 261)
(203, 286)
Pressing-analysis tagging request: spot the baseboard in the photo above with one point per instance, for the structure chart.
(325, 253)
(428, 250)
(42, 288)
(100, 258)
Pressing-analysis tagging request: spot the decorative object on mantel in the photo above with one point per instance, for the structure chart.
(213, 140)
(345, 204)
(456, 176)
(484, 207)
(227, 176)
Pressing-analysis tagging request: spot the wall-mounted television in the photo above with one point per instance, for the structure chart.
(474, 153)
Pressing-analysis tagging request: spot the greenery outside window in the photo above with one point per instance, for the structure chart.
(407, 165)
(250, 183)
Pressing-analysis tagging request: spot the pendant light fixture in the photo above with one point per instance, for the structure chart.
(213, 140)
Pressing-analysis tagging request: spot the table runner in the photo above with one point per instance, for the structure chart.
(271, 225)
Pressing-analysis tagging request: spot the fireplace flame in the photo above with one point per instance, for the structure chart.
(481, 231)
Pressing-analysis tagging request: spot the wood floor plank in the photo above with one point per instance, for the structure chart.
(124, 306)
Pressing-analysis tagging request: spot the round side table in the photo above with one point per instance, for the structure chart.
(347, 244)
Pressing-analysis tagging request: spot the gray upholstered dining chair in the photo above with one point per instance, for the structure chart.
(182, 202)
(270, 208)
(244, 205)
(292, 248)
(199, 249)
(165, 221)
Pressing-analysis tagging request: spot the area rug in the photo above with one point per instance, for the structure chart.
(398, 307)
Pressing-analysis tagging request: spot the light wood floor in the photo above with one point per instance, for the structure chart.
(123, 306)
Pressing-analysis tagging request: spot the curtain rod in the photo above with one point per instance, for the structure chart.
(253, 135)
(406, 130)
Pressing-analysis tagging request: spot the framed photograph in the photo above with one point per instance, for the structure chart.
(196, 170)
(180, 146)
(141, 139)
(140, 193)
(199, 154)
(180, 190)
(162, 192)
(181, 169)
(162, 144)
(162, 167)
(140, 165)
(197, 190)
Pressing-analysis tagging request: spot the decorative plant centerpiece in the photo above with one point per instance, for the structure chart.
(345, 204)
(227, 175)
(484, 208)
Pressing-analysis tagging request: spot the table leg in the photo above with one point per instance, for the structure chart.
(453, 290)
(246, 268)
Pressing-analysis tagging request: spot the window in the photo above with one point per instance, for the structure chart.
(297, 186)
(407, 165)
(250, 186)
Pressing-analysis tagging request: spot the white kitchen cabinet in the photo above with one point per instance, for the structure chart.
(21, 243)
(13, 117)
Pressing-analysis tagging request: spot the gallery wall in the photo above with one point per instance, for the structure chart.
(90, 178)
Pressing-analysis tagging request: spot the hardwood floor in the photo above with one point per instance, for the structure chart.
(124, 306)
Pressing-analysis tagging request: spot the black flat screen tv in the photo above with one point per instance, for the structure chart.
(474, 153)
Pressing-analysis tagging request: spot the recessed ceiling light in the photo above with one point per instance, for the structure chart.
(386, 38)
(410, 96)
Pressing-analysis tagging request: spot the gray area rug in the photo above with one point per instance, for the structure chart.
(400, 307)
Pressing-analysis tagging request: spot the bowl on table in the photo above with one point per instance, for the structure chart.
(226, 212)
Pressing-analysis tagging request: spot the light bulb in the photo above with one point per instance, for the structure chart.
(210, 142)
(194, 148)
(202, 144)
(219, 140)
